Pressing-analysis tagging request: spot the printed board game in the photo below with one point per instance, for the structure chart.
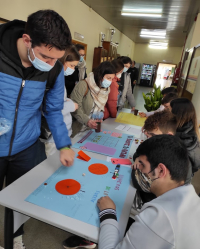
(74, 191)
(108, 143)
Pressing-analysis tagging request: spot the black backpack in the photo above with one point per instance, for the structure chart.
(51, 80)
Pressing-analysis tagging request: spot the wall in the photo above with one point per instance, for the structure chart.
(79, 18)
(144, 54)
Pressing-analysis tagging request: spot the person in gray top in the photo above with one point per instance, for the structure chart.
(171, 221)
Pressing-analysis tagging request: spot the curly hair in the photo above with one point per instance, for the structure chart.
(165, 121)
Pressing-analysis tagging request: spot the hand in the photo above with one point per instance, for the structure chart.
(67, 157)
(142, 114)
(105, 203)
(92, 124)
(133, 108)
(134, 82)
(76, 106)
(136, 164)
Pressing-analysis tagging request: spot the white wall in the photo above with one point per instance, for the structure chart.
(79, 18)
(144, 54)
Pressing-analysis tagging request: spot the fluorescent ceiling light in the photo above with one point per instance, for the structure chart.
(158, 43)
(144, 10)
(153, 36)
(153, 32)
(157, 47)
(140, 14)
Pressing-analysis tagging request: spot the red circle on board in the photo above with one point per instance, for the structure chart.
(98, 169)
(68, 187)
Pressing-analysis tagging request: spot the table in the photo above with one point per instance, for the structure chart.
(13, 197)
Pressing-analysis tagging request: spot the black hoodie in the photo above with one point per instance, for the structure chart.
(9, 34)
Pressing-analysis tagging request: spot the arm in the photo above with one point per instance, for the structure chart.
(134, 239)
(161, 108)
(53, 115)
(77, 96)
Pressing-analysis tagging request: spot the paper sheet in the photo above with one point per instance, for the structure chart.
(129, 118)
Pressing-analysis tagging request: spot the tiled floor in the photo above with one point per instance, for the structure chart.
(39, 235)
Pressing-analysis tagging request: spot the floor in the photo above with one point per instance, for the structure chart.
(39, 235)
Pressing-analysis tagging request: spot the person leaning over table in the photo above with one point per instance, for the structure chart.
(172, 219)
(91, 96)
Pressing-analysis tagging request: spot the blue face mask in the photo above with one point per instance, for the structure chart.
(68, 71)
(81, 58)
(125, 69)
(39, 64)
(106, 83)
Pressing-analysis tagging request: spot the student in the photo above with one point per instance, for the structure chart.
(134, 74)
(167, 99)
(28, 51)
(79, 73)
(110, 109)
(161, 108)
(69, 61)
(169, 221)
(91, 96)
(125, 85)
(187, 129)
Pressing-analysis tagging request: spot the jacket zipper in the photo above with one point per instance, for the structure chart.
(15, 120)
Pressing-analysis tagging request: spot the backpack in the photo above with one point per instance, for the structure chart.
(51, 80)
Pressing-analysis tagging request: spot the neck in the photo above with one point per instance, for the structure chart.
(167, 187)
(23, 53)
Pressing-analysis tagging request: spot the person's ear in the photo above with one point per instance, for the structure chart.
(161, 170)
(27, 40)
(170, 133)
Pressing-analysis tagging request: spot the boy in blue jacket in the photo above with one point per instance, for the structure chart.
(28, 52)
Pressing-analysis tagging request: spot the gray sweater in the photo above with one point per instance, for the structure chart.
(171, 221)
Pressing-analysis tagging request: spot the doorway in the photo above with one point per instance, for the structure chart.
(164, 74)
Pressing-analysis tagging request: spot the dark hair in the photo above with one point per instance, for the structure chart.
(49, 28)
(71, 54)
(167, 90)
(168, 98)
(118, 65)
(104, 68)
(125, 59)
(185, 112)
(134, 62)
(168, 150)
(164, 120)
(79, 47)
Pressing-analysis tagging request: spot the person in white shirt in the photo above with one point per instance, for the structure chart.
(164, 92)
(171, 221)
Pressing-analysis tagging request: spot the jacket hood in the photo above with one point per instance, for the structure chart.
(187, 135)
(9, 34)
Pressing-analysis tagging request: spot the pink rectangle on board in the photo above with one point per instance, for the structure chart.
(100, 148)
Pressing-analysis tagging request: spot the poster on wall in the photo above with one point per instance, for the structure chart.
(186, 67)
(193, 72)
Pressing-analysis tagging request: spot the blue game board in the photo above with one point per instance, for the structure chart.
(113, 144)
(82, 206)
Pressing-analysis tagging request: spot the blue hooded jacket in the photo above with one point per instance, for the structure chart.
(21, 97)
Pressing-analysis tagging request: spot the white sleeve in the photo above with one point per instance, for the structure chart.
(141, 235)
(161, 108)
(69, 106)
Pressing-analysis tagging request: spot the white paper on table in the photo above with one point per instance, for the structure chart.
(108, 159)
(120, 127)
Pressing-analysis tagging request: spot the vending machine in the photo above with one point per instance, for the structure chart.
(147, 75)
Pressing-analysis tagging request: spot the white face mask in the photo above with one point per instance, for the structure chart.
(119, 75)
(69, 71)
(39, 64)
(106, 83)
(125, 69)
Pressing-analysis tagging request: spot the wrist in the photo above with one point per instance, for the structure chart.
(66, 148)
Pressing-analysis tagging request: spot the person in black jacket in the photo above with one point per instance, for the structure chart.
(79, 73)
(134, 75)
(187, 129)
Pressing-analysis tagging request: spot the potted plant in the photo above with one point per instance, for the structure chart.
(153, 99)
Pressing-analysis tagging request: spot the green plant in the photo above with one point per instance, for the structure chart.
(153, 99)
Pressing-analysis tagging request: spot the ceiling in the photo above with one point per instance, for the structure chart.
(177, 17)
